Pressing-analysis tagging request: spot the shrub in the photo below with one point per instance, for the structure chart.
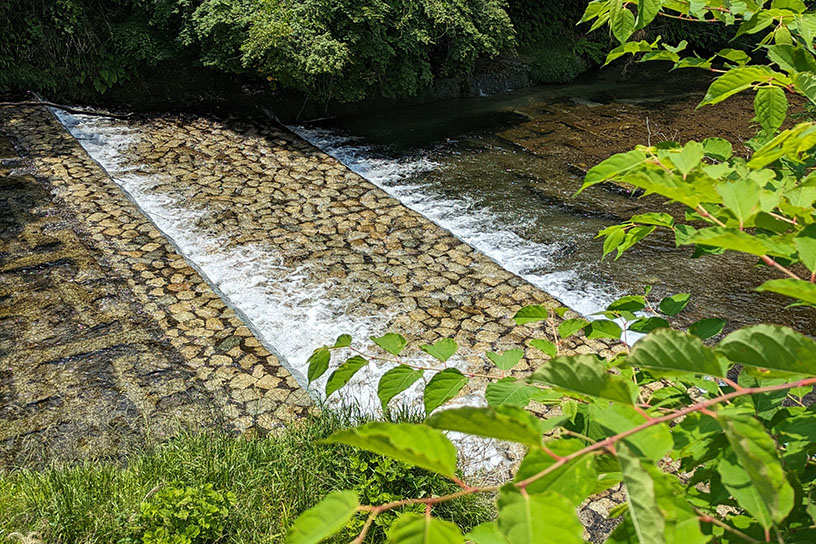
(181, 515)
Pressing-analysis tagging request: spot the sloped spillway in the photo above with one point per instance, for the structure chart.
(304, 248)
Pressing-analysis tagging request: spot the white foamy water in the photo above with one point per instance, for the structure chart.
(476, 225)
(289, 311)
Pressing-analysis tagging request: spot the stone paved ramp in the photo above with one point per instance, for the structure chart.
(255, 188)
(104, 323)
(89, 358)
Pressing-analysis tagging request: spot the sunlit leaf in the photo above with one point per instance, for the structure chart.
(801, 289)
(391, 342)
(674, 304)
(772, 347)
(318, 364)
(652, 442)
(707, 328)
(753, 473)
(412, 528)
(571, 326)
(324, 519)
(506, 360)
(501, 422)
(574, 480)
(415, 444)
(670, 351)
(584, 374)
(344, 373)
(395, 381)
(441, 350)
(543, 518)
(531, 314)
(545, 346)
(443, 387)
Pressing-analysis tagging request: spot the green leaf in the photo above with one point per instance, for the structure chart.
(641, 498)
(648, 324)
(771, 107)
(805, 83)
(575, 480)
(441, 350)
(415, 444)
(657, 507)
(509, 391)
(571, 326)
(507, 359)
(443, 387)
(718, 148)
(324, 519)
(805, 243)
(647, 11)
(622, 24)
(343, 341)
(792, 59)
(651, 443)
(544, 345)
(395, 381)
(754, 475)
(531, 314)
(501, 422)
(486, 533)
(729, 238)
(584, 374)
(674, 304)
(653, 218)
(412, 528)
(603, 328)
(733, 82)
(741, 197)
(613, 167)
(631, 303)
(688, 159)
(614, 237)
(543, 518)
(318, 363)
(390, 342)
(344, 373)
(707, 328)
(801, 289)
(772, 347)
(671, 351)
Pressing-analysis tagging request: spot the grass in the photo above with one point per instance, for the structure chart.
(274, 479)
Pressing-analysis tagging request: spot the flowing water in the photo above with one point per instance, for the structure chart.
(501, 173)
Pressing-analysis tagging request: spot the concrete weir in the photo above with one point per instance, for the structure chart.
(182, 272)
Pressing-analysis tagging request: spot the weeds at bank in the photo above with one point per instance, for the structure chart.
(272, 479)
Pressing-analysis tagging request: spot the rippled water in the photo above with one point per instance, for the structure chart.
(457, 163)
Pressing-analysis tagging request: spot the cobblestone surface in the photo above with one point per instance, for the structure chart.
(260, 186)
(263, 186)
(90, 350)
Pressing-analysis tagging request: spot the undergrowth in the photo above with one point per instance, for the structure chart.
(272, 479)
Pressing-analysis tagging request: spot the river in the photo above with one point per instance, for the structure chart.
(501, 173)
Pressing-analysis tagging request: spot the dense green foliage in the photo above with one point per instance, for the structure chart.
(712, 438)
(342, 49)
(263, 483)
(62, 45)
